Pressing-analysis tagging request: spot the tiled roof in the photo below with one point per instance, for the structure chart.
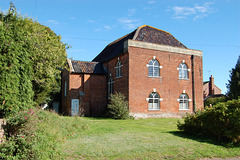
(143, 33)
(87, 67)
(154, 35)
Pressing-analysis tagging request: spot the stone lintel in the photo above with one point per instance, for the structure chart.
(160, 47)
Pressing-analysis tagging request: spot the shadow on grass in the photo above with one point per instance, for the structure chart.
(204, 139)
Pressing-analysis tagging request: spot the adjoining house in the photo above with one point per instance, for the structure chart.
(159, 76)
(210, 89)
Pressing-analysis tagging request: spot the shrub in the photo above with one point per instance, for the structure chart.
(221, 121)
(20, 136)
(118, 106)
(214, 100)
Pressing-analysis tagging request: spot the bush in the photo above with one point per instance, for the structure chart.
(20, 136)
(221, 121)
(214, 100)
(118, 106)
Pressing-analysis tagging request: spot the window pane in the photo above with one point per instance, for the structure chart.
(155, 100)
(150, 101)
(155, 106)
(117, 73)
(150, 62)
(156, 72)
(120, 71)
(150, 71)
(150, 106)
(180, 73)
(185, 74)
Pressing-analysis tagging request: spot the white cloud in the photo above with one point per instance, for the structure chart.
(53, 21)
(131, 12)
(91, 21)
(151, 2)
(129, 24)
(197, 11)
(107, 27)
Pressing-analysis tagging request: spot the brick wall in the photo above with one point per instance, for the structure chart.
(120, 84)
(94, 100)
(169, 86)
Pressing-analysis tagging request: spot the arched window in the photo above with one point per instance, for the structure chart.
(153, 68)
(118, 69)
(183, 102)
(183, 71)
(153, 101)
(110, 86)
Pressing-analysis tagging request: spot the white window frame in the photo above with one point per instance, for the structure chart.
(118, 69)
(153, 100)
(184, 102)
(183, 72)
(110, 86)
(154, 67)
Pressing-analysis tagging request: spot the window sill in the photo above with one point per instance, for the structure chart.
(184, 109)
(118, 77)
(154, 77)
(184, 79)
(154, 109)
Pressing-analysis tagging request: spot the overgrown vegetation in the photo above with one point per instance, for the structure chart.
(214, 100)
(31, 55)
(36, 134)
(234, 82)
(118, 106)
(221, 121)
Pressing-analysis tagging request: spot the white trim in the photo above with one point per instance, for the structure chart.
(184, 109)
(160, 66)
(154, 90)
(154, 109)
(183, 91)
(147, 65)
(183, 61)
(147, 99)
(70, 65)
(189, 69)
(160, 47)
(160, 99)
(178, 69)
(178, 100)
(154, 57)
(119, 66)
(189, 100)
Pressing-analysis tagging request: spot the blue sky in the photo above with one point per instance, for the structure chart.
(212, 26)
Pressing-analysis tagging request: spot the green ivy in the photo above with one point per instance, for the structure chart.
(31, 55)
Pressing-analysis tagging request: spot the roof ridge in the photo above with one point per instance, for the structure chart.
(85, 61)
(120, 38)
(140, 27)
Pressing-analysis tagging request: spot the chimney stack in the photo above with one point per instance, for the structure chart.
(211, 85)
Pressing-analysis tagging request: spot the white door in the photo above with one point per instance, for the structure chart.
(75, 107)
(55, 106)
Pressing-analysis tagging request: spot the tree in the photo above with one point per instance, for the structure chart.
(234, 82)
(31, 55)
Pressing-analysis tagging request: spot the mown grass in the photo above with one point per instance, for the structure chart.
(137, 139)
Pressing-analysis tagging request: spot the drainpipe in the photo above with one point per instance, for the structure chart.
(193, 85)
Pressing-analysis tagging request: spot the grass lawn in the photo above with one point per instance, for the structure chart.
(138, 139)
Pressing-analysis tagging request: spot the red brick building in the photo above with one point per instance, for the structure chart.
(210, 89)
(159, 76)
